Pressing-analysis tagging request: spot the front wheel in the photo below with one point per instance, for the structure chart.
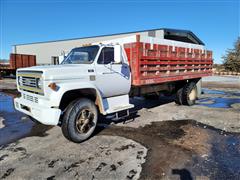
(80, 120)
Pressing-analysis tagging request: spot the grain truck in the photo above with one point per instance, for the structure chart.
(98, 79)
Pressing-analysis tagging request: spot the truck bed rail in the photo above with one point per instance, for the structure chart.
(158, 63)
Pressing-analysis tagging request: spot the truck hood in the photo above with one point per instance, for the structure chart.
(61, 72)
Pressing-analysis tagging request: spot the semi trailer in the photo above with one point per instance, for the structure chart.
(100, 78)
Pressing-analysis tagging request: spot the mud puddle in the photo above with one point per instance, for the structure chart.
(228, 93)
(185, 149)
(219, 99)
(212, 91)
(218, 102)
(15, 125)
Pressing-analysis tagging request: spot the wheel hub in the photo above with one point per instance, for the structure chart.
(193, 94)
(85, 121)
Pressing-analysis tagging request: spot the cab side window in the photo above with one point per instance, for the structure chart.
(106, 56)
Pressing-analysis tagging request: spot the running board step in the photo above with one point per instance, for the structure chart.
(116, 104)
(117, 117)
(120, 108)
(122, 115)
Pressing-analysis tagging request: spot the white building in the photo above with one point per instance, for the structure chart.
(48, 52)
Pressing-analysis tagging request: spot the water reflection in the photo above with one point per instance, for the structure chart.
(15, 125)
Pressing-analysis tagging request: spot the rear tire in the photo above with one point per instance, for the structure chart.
(178, 99)
(189, 94)
(79, 120)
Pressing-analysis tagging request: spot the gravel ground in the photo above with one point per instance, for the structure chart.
(161, 141)
(222, 79)
(105, 157)
(227, 82)
(7, 84)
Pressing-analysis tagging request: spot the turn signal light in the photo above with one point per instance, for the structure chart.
(53, 86)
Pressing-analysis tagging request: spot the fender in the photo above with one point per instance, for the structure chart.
(64, 87)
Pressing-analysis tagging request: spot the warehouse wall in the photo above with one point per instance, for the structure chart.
(44, 51)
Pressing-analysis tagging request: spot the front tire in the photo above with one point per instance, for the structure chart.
(80, 120)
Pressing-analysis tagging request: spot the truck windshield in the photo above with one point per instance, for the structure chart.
(82, 55)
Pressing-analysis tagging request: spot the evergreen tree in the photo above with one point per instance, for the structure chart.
(231, 60)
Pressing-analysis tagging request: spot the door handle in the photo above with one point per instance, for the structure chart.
(90, 70)
(107, 72)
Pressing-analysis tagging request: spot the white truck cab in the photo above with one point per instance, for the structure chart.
(92, 79)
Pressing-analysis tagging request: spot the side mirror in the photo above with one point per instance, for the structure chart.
(117, 54)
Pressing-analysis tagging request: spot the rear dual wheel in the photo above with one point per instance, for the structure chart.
(187, 95)
(80, 120)
(178, 99)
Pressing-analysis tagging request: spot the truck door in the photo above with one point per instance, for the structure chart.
(112, 79)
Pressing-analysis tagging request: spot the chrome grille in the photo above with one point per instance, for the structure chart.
(29, 81)
(30, 98)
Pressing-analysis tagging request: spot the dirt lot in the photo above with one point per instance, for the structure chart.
(161, 141)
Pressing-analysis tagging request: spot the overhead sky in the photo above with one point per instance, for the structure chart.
(215, 22)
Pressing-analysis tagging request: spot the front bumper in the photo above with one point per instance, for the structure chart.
(45, 115)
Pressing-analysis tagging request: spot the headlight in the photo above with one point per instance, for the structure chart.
(20, 81)
(39, 83)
